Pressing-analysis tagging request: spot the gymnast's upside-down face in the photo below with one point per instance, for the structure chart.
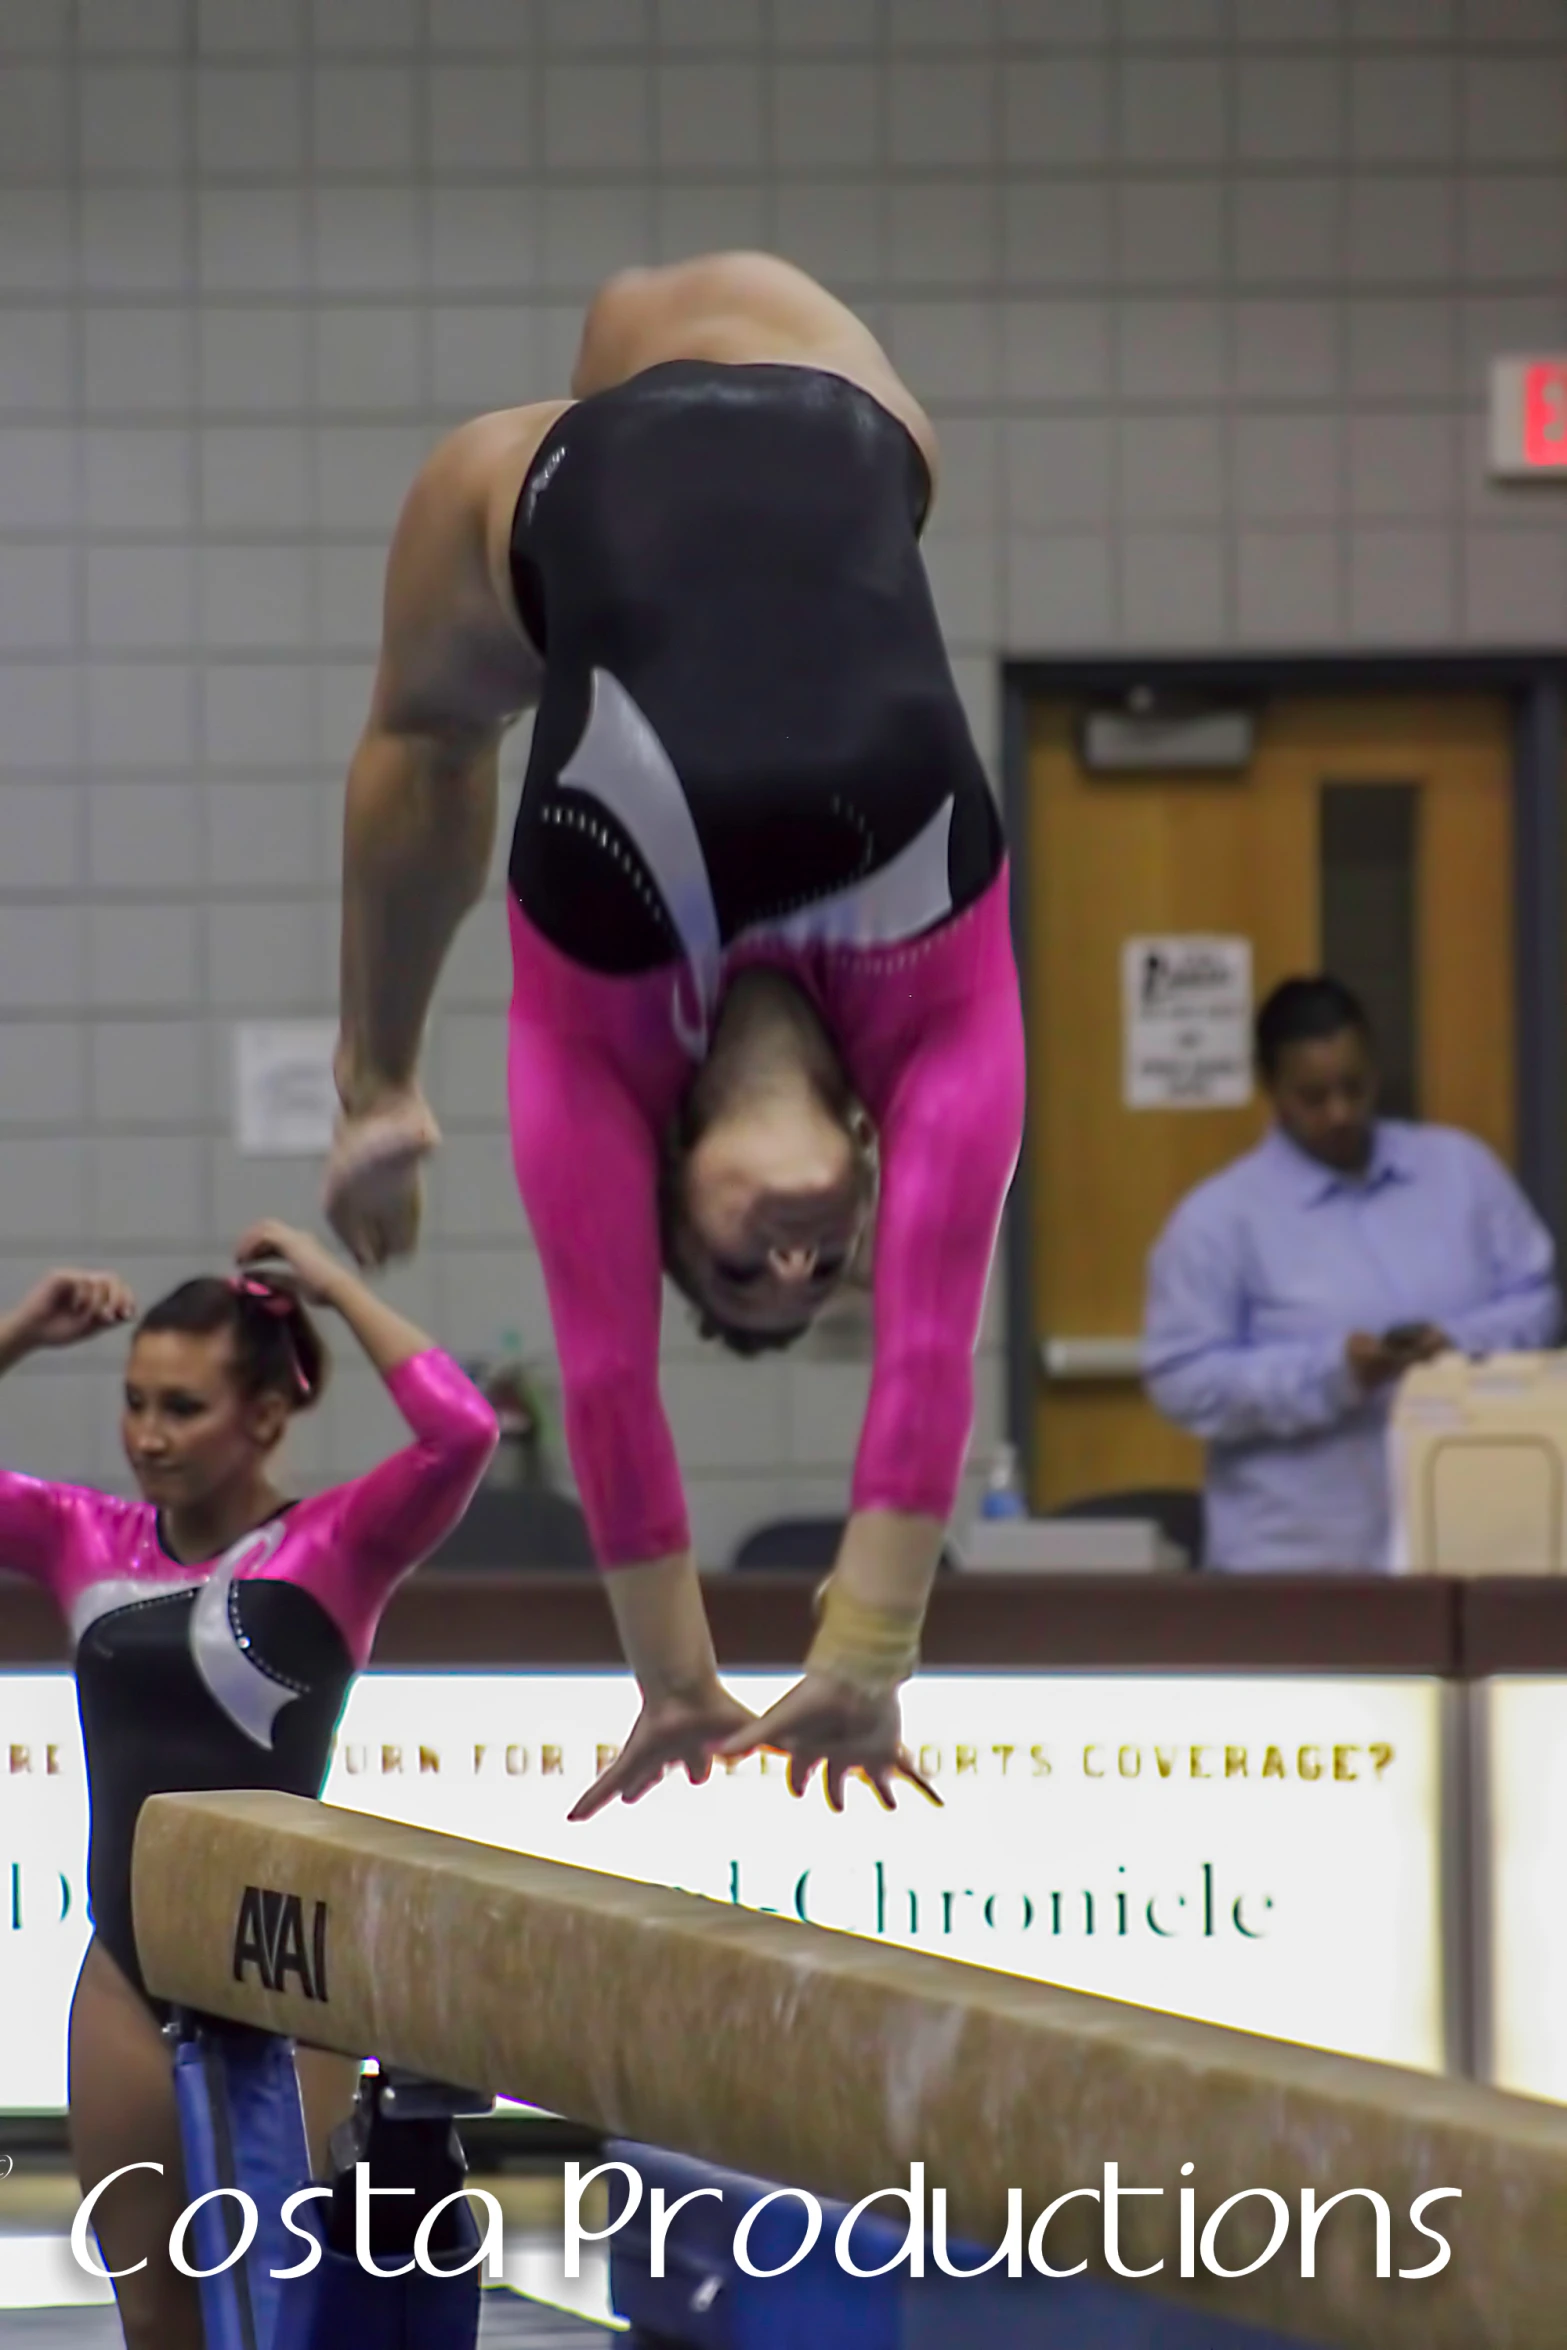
(775, 1208)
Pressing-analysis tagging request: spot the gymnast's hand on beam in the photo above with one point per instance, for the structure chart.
(670, 1733)
(374, 1190)
(844, 1729)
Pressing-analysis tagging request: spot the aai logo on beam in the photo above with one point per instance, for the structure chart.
(270, 1935)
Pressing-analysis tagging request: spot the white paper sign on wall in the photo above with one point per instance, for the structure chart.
(1187, 1010)
(284, 1098)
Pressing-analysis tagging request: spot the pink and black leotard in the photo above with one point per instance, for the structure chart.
(232, 1673)
(749, 750)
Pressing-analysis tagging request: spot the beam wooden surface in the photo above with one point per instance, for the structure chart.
(828, 2061)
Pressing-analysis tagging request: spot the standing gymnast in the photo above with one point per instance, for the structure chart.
(764, 982)
(217, 1628)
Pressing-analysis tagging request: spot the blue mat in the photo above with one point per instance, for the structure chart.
(508, 2323)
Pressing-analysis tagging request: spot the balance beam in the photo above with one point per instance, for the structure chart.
(827, 2061)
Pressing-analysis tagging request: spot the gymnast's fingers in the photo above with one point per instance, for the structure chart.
(119, 1300)
(402, 1227)
(376, 1218)
(373, 1250)
(257, 1240)
(346, 1204)
(105, 1299)
(92, 1299)
(336, 1210)
(903, 1766)
(594, 1798)
(630, 1776)
(363, 1237)
(353, 1240)
(776, 1728)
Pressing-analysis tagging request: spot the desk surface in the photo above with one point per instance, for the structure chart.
(1172, 1623)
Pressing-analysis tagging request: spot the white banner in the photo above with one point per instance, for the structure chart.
(1260, 1851)
(1186, 1010)
(1524, 1767)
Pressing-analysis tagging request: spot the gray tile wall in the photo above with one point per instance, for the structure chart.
(1201, 292)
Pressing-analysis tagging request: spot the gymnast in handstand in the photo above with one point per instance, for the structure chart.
(765, 995)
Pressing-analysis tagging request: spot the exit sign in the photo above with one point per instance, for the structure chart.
(1529, 419)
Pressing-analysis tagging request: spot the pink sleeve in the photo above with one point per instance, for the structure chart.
(586, 1153)
(34, 1520)
(936, 1043)
(371, 1533)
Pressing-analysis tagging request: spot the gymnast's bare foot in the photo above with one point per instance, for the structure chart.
(374, 1188)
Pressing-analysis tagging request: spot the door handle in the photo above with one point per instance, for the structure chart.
(1091, 1358)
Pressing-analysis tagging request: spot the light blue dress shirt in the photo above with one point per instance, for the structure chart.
(1261, 1275)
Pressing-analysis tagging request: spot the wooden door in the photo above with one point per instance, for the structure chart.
(1112, 858)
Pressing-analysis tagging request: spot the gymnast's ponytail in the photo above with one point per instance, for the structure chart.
(277, 1348)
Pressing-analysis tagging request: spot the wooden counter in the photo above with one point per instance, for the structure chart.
(1147, 1623)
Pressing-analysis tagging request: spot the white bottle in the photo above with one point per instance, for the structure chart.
(1003, 1496)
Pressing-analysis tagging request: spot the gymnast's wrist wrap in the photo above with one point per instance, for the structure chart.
(872, 1649)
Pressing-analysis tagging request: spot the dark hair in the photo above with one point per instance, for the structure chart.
(277, 1347)
(1304, 1011)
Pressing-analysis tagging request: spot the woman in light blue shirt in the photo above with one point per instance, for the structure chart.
(1288, 1294)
